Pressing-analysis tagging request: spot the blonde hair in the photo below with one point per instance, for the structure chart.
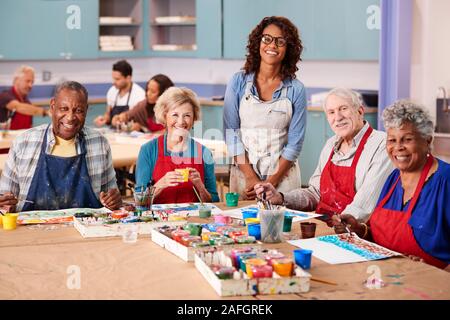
(20, 71)
(173, 97)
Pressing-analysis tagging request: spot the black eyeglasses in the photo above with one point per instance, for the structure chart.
(279, 41)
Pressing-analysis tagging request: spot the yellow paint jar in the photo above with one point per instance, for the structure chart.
(283, 267)
(10, 221)
(185, 173)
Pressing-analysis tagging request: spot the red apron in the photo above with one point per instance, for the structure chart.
(153, 126)
(184, 191)
(337, 183)
(19, 120)
(390, 228)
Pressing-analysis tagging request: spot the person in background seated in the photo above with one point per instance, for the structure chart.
(142, 115)
(60, 165)
(265, 110)
(177, 109)
(123, 95)
(14, 103)
(413, 213)
(352, 168)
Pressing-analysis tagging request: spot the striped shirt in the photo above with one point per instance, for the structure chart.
(372, 170)
(24, 154)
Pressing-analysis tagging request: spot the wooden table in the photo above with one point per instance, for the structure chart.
(37, 263)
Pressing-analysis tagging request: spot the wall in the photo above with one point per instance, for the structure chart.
(430, 60)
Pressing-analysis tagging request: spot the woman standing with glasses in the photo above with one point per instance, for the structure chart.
(265, 110)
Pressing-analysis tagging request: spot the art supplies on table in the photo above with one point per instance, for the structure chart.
(344, 248)
(185, 240)
(117, 222)
(183, 209)
(55, 216)
(250, 271)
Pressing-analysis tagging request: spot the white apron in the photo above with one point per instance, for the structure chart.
(264, 133)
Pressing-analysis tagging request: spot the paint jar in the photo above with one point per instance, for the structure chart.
(1, 219)
(308, 229)
(225, 273)
(220, 218)
(287, 223)
(178, 234)
(195, 229)
(283, 267)
(272, 255)
(302, 258)
(254, 229)
(264, 271)
(241, 257)
(246, 214)
(272, 225)
(223, 241)
(207, 235)
(185, 173)
(188, 240)
(253, 262)
(204, 211)
(231, 199)
(9, 221)
(235, 234)
(236, 252)
(130, 233)
(244, 239)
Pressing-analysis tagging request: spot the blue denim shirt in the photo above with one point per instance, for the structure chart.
(231, 121)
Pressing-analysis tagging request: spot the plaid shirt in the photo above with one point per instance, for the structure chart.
(24, 155)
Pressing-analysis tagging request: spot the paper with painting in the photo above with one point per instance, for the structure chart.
(343, 248)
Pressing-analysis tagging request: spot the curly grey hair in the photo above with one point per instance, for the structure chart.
(353, 97)
(403, 111)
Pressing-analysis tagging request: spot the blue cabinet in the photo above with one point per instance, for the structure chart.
(40, 29)
(348, 33)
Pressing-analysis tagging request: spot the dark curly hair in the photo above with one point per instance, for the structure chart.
(294, 46)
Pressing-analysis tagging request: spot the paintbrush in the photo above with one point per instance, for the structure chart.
(324, 281)
(19, 199)
(198, 196)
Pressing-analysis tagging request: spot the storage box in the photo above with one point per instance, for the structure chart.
(183, 252)
(299, 283)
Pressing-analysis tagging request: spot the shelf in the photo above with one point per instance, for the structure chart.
(175, 20)
(174, 47)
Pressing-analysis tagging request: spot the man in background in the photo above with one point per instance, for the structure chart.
(16, 110)
(123, 95)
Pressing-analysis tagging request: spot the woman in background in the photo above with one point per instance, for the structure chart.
(142, 116)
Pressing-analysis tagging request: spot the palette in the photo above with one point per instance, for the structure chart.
(297, 215)
(182, 209)
(55, 216)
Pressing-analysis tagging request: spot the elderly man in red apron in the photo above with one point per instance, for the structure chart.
(352, 168)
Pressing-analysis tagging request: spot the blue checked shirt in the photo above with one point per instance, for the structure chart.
(24, 155)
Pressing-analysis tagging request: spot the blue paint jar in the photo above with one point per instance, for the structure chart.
(254, 229)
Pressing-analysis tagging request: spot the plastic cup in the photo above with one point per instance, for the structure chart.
(254, 229)
(308, 229)
(272, 225)
(204, 211)
(231, 199)
(185, 173)
(9, 221)
(302, 258)
(287, 223)
(246, 214)
(130, 233)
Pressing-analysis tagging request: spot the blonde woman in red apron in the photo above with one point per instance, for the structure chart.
(412, 216)
(352, 167)
(265, 111)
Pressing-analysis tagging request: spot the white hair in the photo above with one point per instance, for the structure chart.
(354, 98)
(20, 71)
